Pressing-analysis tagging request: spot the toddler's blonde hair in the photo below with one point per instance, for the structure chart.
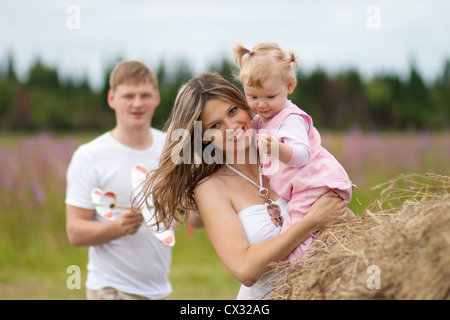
(265, 61)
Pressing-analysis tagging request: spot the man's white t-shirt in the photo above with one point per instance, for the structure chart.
(138, 263)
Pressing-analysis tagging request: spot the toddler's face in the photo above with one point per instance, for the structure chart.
(270, 99)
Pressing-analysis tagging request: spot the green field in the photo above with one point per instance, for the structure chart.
(35, 253)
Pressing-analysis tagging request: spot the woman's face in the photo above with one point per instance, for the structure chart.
(226, 125)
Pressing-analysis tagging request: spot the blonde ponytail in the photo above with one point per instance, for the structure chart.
(290, 61)
(239, 52)
(267, 60)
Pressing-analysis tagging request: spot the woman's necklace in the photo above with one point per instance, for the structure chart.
(273, 209)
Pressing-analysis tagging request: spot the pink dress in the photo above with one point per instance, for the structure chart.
(302, 186)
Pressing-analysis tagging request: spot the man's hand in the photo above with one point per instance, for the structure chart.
(129, 222)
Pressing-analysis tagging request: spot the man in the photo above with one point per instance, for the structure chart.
(126, 261)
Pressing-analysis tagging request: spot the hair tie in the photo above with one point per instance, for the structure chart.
(250, 52)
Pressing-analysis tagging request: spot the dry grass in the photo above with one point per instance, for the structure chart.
(405, 234)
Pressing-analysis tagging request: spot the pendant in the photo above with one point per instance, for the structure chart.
(274, 210)
(275, 213)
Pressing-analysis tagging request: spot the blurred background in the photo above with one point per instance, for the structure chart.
(374, 75)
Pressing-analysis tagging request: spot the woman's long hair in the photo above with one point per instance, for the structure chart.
(172, 184)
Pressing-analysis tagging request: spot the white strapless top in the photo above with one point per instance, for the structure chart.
(258, 227)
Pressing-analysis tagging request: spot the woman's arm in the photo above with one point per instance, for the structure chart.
(245, 262)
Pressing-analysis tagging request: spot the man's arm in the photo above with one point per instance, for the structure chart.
(83, 231)
(195, 219)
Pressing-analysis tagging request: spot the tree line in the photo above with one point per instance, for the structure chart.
(387, 101)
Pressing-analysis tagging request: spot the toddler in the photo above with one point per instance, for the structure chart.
(292, 157)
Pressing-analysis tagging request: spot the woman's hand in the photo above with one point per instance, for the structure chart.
(329, 209)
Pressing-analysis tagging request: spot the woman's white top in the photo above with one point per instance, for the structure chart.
(258, 227)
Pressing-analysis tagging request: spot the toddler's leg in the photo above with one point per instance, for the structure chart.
(290, 220)
(299, 206)
(302, 249)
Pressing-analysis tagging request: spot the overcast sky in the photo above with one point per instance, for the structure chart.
(84, 36)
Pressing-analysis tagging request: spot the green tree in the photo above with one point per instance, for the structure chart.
(11, 70)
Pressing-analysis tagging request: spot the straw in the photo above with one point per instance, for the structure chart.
(398, 249)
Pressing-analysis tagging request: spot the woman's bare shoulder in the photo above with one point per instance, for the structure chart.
(216, 180)
(213, 198)
(214, 188)
(209, 183)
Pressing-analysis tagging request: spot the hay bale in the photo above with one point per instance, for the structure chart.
(398, 249)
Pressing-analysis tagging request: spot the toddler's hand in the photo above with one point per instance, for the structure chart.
(267, 144)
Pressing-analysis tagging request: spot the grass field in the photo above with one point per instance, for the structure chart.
(34, 251)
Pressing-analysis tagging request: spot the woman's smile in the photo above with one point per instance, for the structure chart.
(239, 134)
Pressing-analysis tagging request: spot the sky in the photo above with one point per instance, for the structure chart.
(84, 37)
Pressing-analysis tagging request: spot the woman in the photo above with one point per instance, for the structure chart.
(210, 164)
